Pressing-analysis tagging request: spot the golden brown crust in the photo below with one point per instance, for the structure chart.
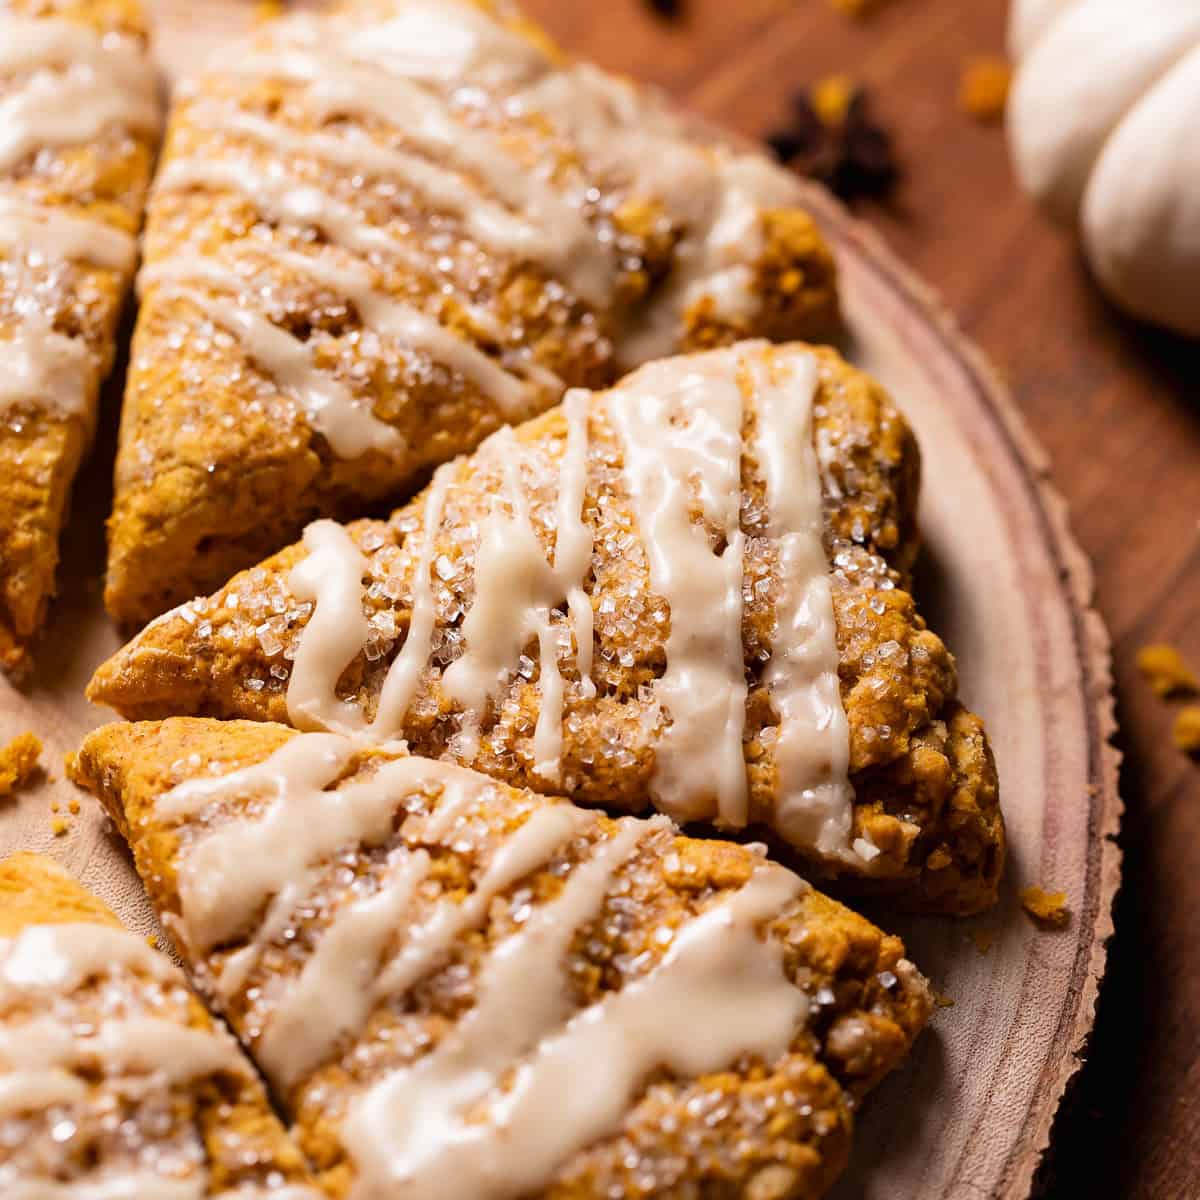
(925, 786)
(226, 1111)
(19, 762)
(40, 451)
(682, 1134)
(217, 466)
(35, 890)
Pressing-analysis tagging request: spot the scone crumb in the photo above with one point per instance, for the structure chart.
(1187, 730)
(831, 98)
(1046, 908)
(942, 1000)
(73, 807)
(1165, 670)
(18, 762)
(983, 939)
(983, 90)
(59, 826)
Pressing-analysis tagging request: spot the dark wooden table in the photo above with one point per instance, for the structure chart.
(1118, 408)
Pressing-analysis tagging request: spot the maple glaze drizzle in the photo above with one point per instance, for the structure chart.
(526, 1076)
(681, 426)
(66, 86)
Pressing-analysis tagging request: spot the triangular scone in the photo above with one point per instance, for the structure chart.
(457, 988)
(114, 1080)
(378, 236)
(79, 116)
(720, 625)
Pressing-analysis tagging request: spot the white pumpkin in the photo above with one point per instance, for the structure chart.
(1104, 125)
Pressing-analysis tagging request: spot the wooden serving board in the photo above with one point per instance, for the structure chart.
(1004, 583)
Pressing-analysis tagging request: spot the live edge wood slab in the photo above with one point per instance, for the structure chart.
(973, 1112)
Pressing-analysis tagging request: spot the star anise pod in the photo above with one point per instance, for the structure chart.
(834, 139)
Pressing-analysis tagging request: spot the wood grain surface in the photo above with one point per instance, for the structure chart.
(1118, 408)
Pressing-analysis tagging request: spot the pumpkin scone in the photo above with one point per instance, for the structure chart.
(380, 234)
(688, 591)
(457, 988)
(115, 1083)
(79, 119)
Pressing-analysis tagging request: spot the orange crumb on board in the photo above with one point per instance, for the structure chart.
(942, 1000)
(18, 761)
(1187, 730)
(1166, 671)
(1047, 908)
(59, 826)
(983, 90)
(831, 98)
(74, 807)
(983, 939)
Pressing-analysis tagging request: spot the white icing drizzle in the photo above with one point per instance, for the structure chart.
(145, 1185)
(572, 1076)
(515, 591)
(331, 574)
(680, 425)
(524, 1079)
(344, 419)
(358, 934)
(280, 197)
(334, 994)
(76, 84)
(46, 369)
(138, 1045)
(127, 1185)
(227, 875)
(573, 543)
(714, 195)
(516, 588)
(350, 75)
(414, 328)
(400, 683)
(39, 1058)
(59, 958)
(54, 235)
(29, 1091)
(346, 424)
(79, 84)
(531, 847)
(812, 746)
(489, 224)
(621, 134)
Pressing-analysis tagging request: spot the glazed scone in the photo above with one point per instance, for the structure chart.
(79, 119)
(460, 989)
(688, 591)
(379, 235)
(114, 1080)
